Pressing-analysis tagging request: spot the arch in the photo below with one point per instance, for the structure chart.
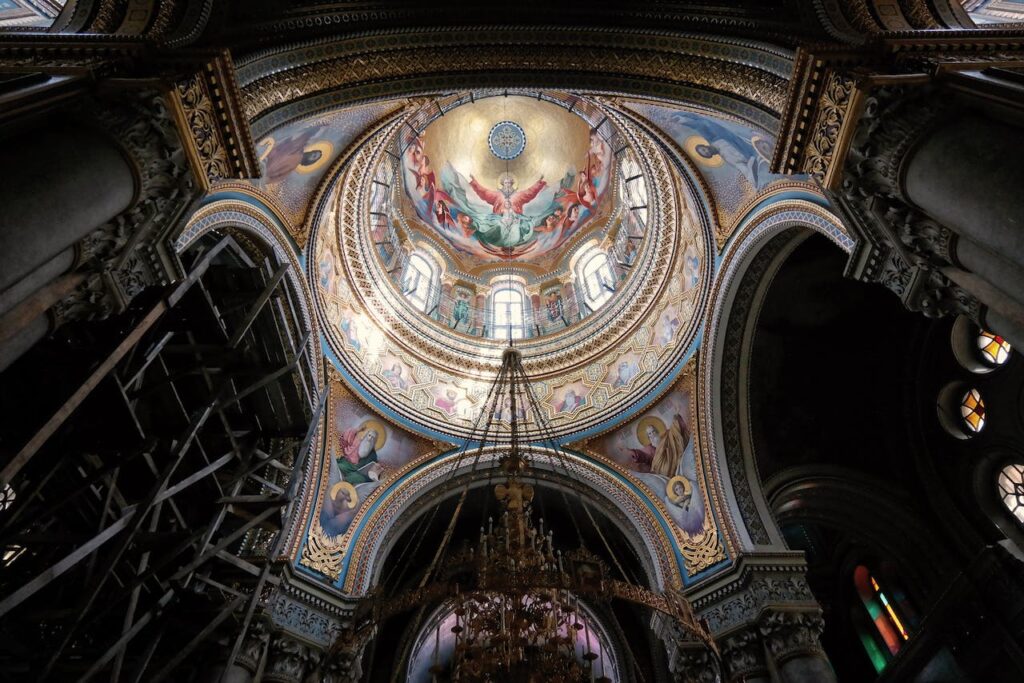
(508, 312)
(844, 499)
(237, 212)
(394, 508)
(740, 77)
(763, 239)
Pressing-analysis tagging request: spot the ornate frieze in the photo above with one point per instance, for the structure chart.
(217, 136)
(898, 246)
(741, 76)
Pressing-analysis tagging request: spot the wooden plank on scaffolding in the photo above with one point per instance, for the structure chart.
(258, 305)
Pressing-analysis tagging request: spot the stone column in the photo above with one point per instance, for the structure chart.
(966, 175)
(59, 184)
(743, 655)
(943, 232)
(792, 641)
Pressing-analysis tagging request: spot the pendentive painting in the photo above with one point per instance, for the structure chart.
(660, 449)
(733, 158)
(294, 158)
(362, 451)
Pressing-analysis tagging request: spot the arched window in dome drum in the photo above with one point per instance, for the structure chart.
(633, 189)
(508, 314)
(596, 278)
(421, 282)
(1010, 484)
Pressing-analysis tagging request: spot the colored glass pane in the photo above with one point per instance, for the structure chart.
(994, 349)
(1011, 489)
(972, 410)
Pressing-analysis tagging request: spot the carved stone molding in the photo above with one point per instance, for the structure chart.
(689, 660)
(743, 655)
(289, 660)
(792, 634)
(131, 251)
(758, 584)
(207, 108)
(897, 245)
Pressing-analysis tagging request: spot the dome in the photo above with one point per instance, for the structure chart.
(521, 203)
(485, 218)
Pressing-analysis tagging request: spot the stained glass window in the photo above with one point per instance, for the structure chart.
(972, 411)
(994, 349)
(1011, 489)
(7, 497)
(891, 614)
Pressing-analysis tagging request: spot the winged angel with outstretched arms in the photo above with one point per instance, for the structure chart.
(505, 217)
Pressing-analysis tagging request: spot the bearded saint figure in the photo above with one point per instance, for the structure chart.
(505, 217)
(358, 459)
(662, 449)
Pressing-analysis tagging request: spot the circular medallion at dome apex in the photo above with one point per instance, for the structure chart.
(507, 140)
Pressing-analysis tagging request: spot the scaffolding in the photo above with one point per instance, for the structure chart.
(141, 523)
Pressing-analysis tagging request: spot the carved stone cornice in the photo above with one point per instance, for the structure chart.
(831, 83)
(298, 80)
(758, 584)
(132, 251)
(897, 245)
(208, 110)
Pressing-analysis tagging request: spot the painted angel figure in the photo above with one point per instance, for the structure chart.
(505, 217)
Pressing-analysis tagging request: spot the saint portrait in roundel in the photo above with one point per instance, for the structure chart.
(357, 452)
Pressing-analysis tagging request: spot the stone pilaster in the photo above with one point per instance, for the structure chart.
(764, 618)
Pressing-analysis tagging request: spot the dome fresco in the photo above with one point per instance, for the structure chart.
(602, 318)
(490, 206)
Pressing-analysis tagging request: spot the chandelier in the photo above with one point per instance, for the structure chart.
(516, 603)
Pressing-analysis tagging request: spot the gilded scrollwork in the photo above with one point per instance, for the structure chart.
(344, 65)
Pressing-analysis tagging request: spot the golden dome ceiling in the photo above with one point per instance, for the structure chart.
(524, 205)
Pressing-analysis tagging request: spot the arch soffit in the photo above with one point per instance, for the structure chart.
(847, 499)
(741, 78)
(429, 480)
(235, 207)
(752, 256)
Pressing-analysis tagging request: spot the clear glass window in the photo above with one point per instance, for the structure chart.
(508, 314)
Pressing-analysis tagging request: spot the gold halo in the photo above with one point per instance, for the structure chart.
(691, 145)
(353, 497)
(507, 174)
(670, 489)
(754, 141)
(269, 141)
(326, 150)
(382, 435)
(641, 428)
